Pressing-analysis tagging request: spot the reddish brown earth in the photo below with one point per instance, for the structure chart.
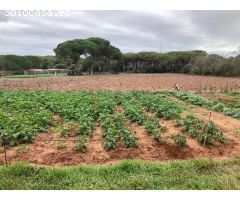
(124, 82)
(149, 149)
(44, 151)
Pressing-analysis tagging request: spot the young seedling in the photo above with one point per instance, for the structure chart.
(81, 144)
(180, 139)
(60, 145)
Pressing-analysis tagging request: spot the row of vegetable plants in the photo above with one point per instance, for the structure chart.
(72, 106)
(201, 101)
(159, 103)
(113, 124)
(134, 111)
(205, 133)
(24, 113)
(21, 116)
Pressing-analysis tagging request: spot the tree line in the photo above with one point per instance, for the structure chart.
(188, 62)
(97, 55)
(17, 64)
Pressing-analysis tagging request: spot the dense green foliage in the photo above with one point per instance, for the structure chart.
(196, 174)
(160, 104)
(160, 62)
(21, 116)
(180, 139)
(97, 55)
(25, 113)
(134, 111)
(211, 134)
(187, 62)
(231, 99)
(17, 64)
(95, 50)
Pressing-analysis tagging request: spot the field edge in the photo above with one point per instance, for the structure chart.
(201, 173)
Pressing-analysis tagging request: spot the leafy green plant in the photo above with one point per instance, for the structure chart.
(201, 101)
(210, 134)
(180, 139)
(80, 144)
(178, 122)
(163, 128)
(191, 122)
(160, 104)
(153, 127)
(128, 137)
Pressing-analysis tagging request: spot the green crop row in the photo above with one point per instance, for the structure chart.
(205, 133)
(201, 101)
(21, 116)
(24, 113)
(134, 111)
(160, 104)
(113, 125)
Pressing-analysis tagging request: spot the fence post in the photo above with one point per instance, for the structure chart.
(4, 141)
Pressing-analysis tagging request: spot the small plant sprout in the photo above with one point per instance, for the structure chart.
(81, 144)
(60, 145)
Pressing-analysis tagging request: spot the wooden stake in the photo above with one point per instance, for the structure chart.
(210, 115)
(5, 151)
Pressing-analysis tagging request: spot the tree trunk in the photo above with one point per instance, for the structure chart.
(92, 68)
(109, 65)
(136, 66)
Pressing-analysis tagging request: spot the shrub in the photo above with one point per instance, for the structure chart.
(180, 139)
(195, 70)
(210, 134)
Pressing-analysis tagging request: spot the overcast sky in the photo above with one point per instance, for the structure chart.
(131, 31)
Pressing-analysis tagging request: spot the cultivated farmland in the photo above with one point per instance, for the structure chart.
(116, 120)
(68, 128)
(152, 82)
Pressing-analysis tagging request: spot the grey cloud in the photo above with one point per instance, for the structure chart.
(3, 17)
(214, 31)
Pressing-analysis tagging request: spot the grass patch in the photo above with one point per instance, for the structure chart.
(231, 100)
(34, 75)
(127, 174)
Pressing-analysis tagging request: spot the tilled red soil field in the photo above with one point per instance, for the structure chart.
(124, 82)
(44, 151)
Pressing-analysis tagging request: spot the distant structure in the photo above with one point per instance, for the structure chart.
(44, 71)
